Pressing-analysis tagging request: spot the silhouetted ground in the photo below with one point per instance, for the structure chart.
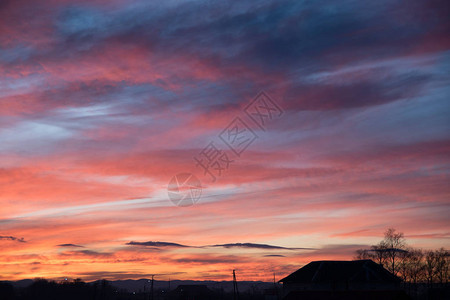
(41, 289)
(102, 290)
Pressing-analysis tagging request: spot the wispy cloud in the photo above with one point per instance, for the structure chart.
(231, 245)
(70, 245)
(258, 246)
(157, 244)
(86, 253)
(274, 255)
(12, 238)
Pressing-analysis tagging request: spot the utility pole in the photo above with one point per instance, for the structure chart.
(151, 293)
(147, 296)
(235, 287)
(275, 285)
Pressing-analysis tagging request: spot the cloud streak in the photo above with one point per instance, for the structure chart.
(258, 246)
(157, 244)
(228, 246)
(12, 238)
(70, 245)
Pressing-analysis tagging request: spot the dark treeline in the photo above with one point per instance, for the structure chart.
(422, 271)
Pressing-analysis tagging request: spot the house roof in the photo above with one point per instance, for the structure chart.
(349, 271)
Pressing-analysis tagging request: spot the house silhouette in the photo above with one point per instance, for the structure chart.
(358, 279)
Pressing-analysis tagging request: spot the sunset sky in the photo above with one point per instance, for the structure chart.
(103, 102)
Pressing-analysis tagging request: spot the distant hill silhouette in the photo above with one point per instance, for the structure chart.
(227, 286)
(128, 289)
